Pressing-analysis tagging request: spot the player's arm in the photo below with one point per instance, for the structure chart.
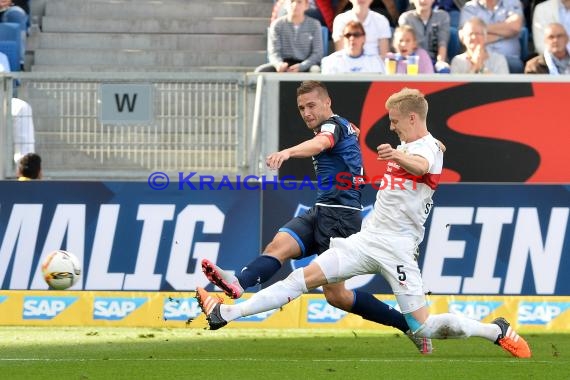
(307, 148)
(413, 164)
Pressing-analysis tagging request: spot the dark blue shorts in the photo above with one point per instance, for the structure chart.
(314, 229)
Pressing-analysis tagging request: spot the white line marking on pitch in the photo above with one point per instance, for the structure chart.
(431, 360)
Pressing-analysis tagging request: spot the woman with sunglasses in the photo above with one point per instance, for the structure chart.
(352, 58)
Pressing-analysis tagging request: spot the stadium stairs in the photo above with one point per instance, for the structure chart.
(145, 35)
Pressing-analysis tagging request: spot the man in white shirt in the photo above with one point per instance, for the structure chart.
(23, 132)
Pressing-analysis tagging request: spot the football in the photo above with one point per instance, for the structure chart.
(61, 270)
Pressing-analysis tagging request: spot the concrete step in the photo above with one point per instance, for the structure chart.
(114, 68)
(196, 42)
(149, 9)
(135, 58)
(213, 25)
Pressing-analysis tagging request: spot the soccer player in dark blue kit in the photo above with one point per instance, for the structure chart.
(337, 213)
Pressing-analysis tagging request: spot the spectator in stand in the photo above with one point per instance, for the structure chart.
(477, 59)
(13, 13)
(556, 57)
(431, 27)
(504, 20)
(352, 59)
(387, 8)
(546, 13)
(29, 167)
(322, 10)
(295, 42)
(377, 26)
(405, 43)
(23, 132)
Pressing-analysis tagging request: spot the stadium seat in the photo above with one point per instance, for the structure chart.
(325, 31)
(12, 51)
(453, 46)
(523, 39)
(10, 31)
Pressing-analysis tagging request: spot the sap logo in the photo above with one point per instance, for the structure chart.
(321, 312)
(259, 317)
(45, 307)
(540, 313)
(180, 309)
(473, 309)
(3, 298)
(114, 309)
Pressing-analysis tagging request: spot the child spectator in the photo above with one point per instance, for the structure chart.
(352, 58)
(405, 44)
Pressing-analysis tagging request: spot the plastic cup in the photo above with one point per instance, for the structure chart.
(412, 67)
(391, 65)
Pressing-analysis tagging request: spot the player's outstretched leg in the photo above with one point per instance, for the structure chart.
(423, 344)
(210, 305)
(510, 340)
(223, 280)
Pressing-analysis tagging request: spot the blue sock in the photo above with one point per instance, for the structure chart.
(372, 309)
(258, 271)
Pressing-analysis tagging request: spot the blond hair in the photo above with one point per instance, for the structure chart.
(408, 100)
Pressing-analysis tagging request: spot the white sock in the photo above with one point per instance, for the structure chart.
(447, 325)
(270, 298)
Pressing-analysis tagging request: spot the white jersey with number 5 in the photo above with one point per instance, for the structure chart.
(404, 201)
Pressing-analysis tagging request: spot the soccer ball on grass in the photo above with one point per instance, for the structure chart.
(61, 270)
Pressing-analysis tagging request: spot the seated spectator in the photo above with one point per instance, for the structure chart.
(29, 167)
(556, 57)
(431, 26)
(546, 13)
(322, 10)
(477, 59)
(377, 28)
(504, 20)
(352, 59)
(405, 44)
(387, 8)
(13, 13)
(295, 42)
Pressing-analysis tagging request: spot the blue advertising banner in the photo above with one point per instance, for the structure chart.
(126, 235)
(479, 239)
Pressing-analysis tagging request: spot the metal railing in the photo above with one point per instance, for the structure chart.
(199, 123)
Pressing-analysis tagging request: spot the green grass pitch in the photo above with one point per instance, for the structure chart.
(195, 353)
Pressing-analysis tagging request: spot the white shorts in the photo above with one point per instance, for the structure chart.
(392, 256)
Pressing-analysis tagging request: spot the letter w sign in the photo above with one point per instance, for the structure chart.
(126, 103)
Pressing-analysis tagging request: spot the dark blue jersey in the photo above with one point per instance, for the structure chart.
(339, 168)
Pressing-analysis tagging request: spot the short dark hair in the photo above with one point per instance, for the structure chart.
(30, 166)
(312, 85)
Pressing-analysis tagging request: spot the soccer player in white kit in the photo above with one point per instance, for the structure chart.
(387, 244)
